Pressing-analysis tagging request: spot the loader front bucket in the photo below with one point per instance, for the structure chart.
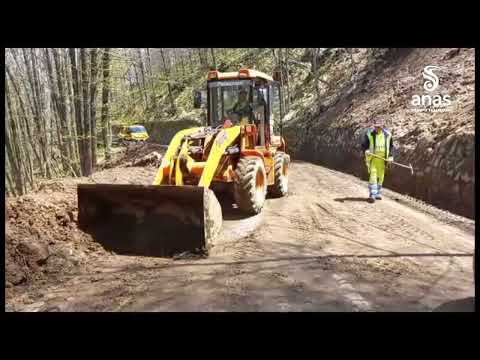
(149, 220)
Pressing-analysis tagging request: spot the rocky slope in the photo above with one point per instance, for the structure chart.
(439, 145)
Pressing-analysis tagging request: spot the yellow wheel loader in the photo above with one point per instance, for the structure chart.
(237, 150)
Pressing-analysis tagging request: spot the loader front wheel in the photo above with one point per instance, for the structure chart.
(281, 163)
(250, 186)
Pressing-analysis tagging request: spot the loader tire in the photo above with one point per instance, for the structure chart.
(250, 186)
(281, 164)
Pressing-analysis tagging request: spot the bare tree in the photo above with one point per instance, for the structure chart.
(212, 51)
(72, 123)
(278, 63)
(86, 112)
(78, 109)
(60, 114)
(167, 73)
(93, 104)
(24, 115)
(150, 74)
(36, 106)
(105, 105)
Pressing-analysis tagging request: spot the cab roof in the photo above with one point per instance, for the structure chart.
(241, 74)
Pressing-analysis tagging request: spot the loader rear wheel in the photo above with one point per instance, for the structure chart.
(250, 187)
(281, 163)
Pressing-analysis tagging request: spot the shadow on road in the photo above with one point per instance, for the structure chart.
(358, 199)
(459, 305)
(230, 211)
(290, 259)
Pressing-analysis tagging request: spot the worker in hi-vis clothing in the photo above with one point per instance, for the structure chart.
(378, 140)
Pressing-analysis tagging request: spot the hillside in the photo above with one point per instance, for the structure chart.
(439, 145)
(325, 122)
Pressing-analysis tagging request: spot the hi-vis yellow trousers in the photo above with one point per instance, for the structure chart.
(376, 171)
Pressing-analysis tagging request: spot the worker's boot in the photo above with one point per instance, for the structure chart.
(379, 192)
(373, 191)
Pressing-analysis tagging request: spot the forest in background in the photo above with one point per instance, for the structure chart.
(61, 104)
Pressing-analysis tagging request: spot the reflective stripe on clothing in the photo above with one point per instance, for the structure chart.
(376, 171)
(380, 143)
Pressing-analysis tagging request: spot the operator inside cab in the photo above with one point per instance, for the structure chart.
(242, 108)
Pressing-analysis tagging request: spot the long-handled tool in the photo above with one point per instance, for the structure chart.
(393, 162)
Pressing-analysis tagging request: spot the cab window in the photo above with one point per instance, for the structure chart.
(230, 100)
(137, 129)
(260, 108)
(275, 104)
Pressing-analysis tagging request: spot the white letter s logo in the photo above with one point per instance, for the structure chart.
(432, 79)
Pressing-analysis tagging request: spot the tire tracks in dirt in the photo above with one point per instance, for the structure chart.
(320, 248)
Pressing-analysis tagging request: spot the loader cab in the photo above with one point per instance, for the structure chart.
(244, 97)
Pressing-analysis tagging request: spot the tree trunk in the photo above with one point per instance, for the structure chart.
(59, 106)
(287, 70)
(167, 73)
(35, 106)
(200, 58)
(190, 58)
(43, 126)
(86, 113)
(26, 147)
(23, 137)
(25, 116)
(182, 63)
(213, 58)
(142, 73)
(153, 95)
(278, 61)
(93, 104)
(72, 123)
(78, 108)
(11, 146)
(9, 186)
(67, 137)
(20, 160)
(105, 92)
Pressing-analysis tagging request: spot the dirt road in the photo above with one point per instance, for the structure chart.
(321, 248)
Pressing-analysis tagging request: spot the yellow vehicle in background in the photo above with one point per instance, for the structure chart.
(133, 133)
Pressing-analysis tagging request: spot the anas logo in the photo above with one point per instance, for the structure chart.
(432, 80)
(430, 102)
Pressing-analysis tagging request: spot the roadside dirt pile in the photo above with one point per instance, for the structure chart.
(42, 241)
(41, 237)
(439, 145)
(142, 154)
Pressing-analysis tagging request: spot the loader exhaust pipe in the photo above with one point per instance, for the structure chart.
(149, 220)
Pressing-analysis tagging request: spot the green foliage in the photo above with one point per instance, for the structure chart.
(128, 102)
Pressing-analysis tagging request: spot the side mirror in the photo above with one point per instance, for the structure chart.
(198, 98)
